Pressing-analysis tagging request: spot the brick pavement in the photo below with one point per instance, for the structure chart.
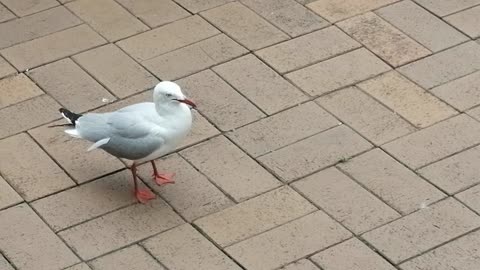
(330, 135)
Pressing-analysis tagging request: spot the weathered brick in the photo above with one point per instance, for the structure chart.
(155, 12)
(254, 216)
(244, 25)
(302, 264)
(470, 198)
(445, 7)
(25, 7)
(130, 258)
(462, 93)
(335, 73)
(17, 88)
(467, 21)
(5, 14)
(5, 68)
(196, 6)
(4, 264)
(80, 266)
(8, 197)
(334, 10)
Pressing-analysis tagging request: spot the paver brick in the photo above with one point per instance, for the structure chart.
(29, 243)
(422, 230)
(303, 157)
(383, 39)
(303, 264)
(192, 196)
(116, 70)
(4, 265)
(17, 88)
(19, 118)
(26, 7)
(351, 254)
(195, 57)
(87, 201)
(421, 25)
(407, 99)
(461, 253)
(435, 142)
(120, 228)
(338, 72)
(8, 197)
(237, 174)
(445, 7)
(288, 242)
(399, 187)
(130, 258)
(196, 6)
(29, 170)
(254, 216)
(470, 198)
(244, 25)
(288, 15)
(52, 47)
(359, 211)
(467, 21)
(5, 14)
(444, 66)
(335, 10)
(36, 25)
(155, 12)
(108, 18)
(71, 153)
(455, 173)
(365, 115)
(80, 266)
(475, 113)
(274, 132)
(224, 106)
(70, 85)
(260, 84)
(316, 46)
(462, 93)
(5, 68)
(172, 248)
(167, 38)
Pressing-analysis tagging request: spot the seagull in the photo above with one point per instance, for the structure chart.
(140, 132)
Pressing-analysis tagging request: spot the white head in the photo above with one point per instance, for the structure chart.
(170, 93)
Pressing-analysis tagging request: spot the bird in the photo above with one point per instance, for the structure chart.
(140, 132)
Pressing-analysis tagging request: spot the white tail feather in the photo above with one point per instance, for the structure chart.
(73, 133)
(98, 144)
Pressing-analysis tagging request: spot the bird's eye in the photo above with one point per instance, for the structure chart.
(169, 95)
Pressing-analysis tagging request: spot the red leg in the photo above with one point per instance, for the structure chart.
(143, 195)
(162, 178)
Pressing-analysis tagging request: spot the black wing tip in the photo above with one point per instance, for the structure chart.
(69, 115)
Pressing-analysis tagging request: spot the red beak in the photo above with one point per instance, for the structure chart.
(188, 102)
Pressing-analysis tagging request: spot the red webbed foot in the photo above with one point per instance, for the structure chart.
(144, 195)
(164, 178)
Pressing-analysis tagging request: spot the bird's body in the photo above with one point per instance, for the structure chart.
(139, 132)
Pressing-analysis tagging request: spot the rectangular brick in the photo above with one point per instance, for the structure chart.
(274, 132)
(155, 12)
(28, 242)
(167, 38)
(5, 68)
(4, 264)
(120, 228)
(8, 196)
(395, 184)
(462, 253)
(80, 266)
(455, 173)
(196, 6)
(72, 155)
(360, 211)
(338, 72)
(116, 70)
(435, 142)
(108, 18)
(5, 14)
(192, 196)
(19, 118)
(407, 99)
(303, 157)
(316, 46)
(421, 25)
(467, 21)
(254, 216)
(365, 115)
(449, 64)
(244, 25)
(445, 7)
(36, 25)
(17, 88)
(130, 258)
(194, 58)
(70, 85)
(25, 7)
(87, 201)
(383, 39)
(238, 175)
(218, 101)
(303, 264)
(288, 15)
(470, 198)
(288, 242)
(52, 47)
(462, 93)
(335, 10)
(351, 254)
(260, 84)
(172, 248)
(29, 170)
(475, 113)
(422, 230)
